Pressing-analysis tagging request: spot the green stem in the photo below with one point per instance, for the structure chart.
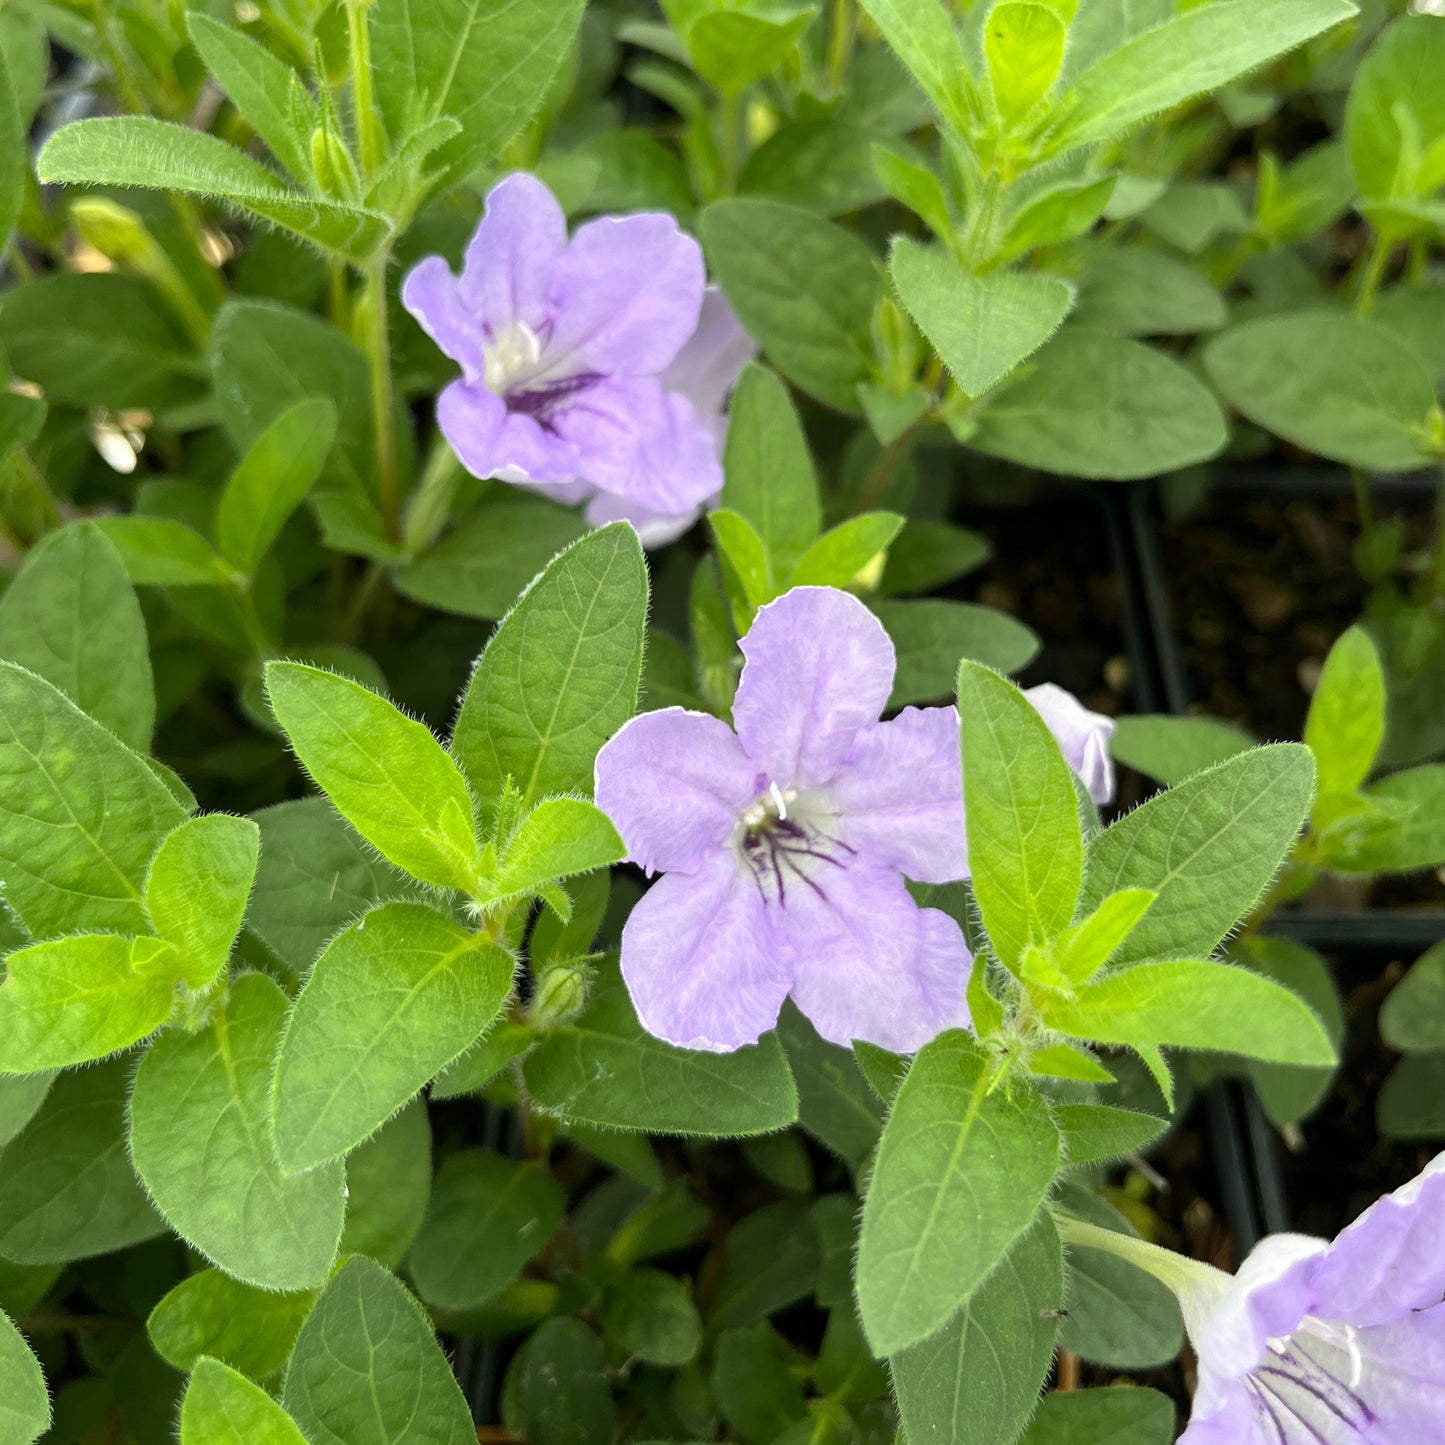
(377, 345)
(130, 92)
(1363, 505)
(368, 139)
(840, 42)
(884, 467)
(1373, 274)
(431, 503)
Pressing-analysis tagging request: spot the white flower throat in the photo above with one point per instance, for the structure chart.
(513, 354)
(781, 838)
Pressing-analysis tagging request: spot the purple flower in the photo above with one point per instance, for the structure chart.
(1312, 1342)
(1083, 736)
(784, 845)
(566, 347)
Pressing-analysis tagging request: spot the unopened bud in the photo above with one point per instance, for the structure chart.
(561, 994)
(896, 341)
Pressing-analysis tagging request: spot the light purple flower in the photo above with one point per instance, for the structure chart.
(1318, 1343)
(565, 347)
(784, 845)
(1083, 736)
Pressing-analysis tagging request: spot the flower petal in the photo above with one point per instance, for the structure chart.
(490, 441)
(1390, 1260)
(641, 444)
(899, 795)
(869, 963)
(626, 296)
(510, 261)
(1083, 736)
(819, 669)
(431, 294)
(701, 960)
(674, 783)
(707, 368)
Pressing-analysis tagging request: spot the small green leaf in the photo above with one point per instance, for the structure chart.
(71, 1000)
(747, 568)
(844, 551)
(731, 45)
(1102, 1417)
(197, 889)
(222, 1407)
(1413, 842)
(928, 554)
(67, 1189)
(136, 150)
(395, 998)
(1099, 1131)
(1026, 850)
(803, 286)
(560, 675)
(1346, 721)
(1395, 114)
(978, 1378)
(367, 1368)
(20, 1097)
(200, 1139)
(388, 1187)
(1412, 1018)
(982, 326)
(1169, 749)
(1193, 1004)
(1207, 847)
(273, 478)
(72, 617)
(386, 774)
(250, 1329)
(922, 35)
(605, 1069)
(161, 552)
(24, 1400)
(558, 1391)
(560, 837)
(1086, 946)
(650, 1315)
(488, 1217)
(835, 1102)
(1147, 293)
(931, 634)
(960, 1174)
(1023, 46)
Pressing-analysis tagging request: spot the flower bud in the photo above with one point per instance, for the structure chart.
(561, 994)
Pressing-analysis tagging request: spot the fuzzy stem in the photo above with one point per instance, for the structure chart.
(1373, 274)
(840, 42)
(368, 141)
(377, 345)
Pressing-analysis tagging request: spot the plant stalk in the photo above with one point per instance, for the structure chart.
(368, 140)
(377, 345)
(1373, 274)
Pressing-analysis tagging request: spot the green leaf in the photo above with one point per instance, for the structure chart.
(650, 1315)
(560, 837)
(20, 1097)
(979, 1377)
(754, 1384)
(558, 1388)
(1103, 1417)
(1023, 46)
(1346, 721)
(67, 1190)
(488, 1217)
(733, 43)
(268, 94)
(1416, 313)
(981, 325)
(250, 1329)
(825, 165)
(605, 1069)
(772, 1261)
(71, 617)
(1053, 215)
(1396, 109)
(160, 552)
(1195, 51)
(1417, 840)
(1193, 1004)
(274, 476)
(1412, 1018)
(1099, 1131)
(14, 143)
(560, 675)
(486, 63)
(917, 187)
(960, 1175)
(1086, 946)
(395, 998)
(222, 1407)
(72, 1000)
(746, 567)
(80, 814)
(24, 1400)
(835, 1102)
(201, 1141)
(842, 552)
(770, 479)
(803, 286)
(367, 1368)
(386, 774)
(136, 150)
(922, 35)
(99, 339)
(197, 888)
(1208, 847)
(1412, 1103)
(1100, 406)
(1025, 847)
(388, 1187)
(931, 634)
(1335, 384)
(1147, 293)
(1170, 749)
(479, 568)
(927, 555)
(315, 876)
